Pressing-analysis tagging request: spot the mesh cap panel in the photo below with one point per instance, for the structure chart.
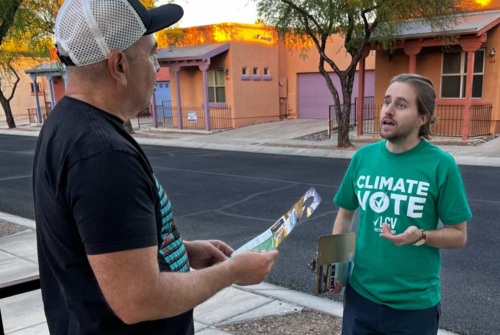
(89, 30)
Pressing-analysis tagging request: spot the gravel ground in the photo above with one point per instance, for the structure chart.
(306, 322)
(7, 228)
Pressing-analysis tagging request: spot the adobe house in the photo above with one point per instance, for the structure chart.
(29, 88)
(242, 74)
(52, 74)
(463, 70)
(239, 74)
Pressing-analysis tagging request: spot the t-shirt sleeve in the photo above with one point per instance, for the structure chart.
(346, 196)
(113, 203)
(453, 207)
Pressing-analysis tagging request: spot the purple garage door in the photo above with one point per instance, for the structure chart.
(314, 96)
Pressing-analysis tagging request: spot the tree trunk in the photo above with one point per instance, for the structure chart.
(343, 140)
(347, 82)
(128, 126)
(8, 111)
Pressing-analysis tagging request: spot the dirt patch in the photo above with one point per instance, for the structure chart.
(9, 228)
(307, 322)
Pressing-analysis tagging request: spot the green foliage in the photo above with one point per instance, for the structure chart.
(30, 32)
(355, 20)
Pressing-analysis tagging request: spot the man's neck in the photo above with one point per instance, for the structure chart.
(108, 104)
(403, 145)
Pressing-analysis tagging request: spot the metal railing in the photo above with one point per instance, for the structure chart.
(33, 117)
(192, 117)
(368, 114)
(450, 119)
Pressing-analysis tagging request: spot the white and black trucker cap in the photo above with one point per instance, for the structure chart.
(87, 31)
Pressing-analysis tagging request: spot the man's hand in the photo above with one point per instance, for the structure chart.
(337, 287)
(203, 254)
(252, 267)
(409, 236)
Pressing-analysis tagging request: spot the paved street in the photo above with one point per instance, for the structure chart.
(234, 196)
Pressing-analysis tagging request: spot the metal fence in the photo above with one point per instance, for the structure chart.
(33, 117)
(192, 117)
(353, 120)
(450, 119)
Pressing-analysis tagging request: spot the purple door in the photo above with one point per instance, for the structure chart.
(315, 97)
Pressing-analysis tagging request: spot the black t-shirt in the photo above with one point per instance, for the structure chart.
(95, 192)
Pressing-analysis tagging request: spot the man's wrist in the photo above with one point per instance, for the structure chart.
(422, 239)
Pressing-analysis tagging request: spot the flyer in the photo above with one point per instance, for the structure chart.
(272, 237)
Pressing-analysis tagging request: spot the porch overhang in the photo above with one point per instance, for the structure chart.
(48, 69)
(463, 27)
(190, 55)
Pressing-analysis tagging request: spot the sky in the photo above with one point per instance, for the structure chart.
(205, 12)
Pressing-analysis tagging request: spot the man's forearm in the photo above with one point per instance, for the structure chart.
(137, 291)
(449, 237)
(177, 293)
(343, 221)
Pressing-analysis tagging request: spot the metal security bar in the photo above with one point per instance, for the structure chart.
(450, 120)
(192, 117)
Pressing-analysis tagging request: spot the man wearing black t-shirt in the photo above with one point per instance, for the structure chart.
(110, 256)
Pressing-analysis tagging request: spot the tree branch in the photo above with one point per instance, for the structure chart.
(11, 68)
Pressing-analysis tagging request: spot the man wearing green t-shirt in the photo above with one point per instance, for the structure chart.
(402, 186)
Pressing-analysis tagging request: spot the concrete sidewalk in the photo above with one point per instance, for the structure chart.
(23, 314)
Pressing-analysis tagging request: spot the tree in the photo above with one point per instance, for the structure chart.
(25, 30)
(360, 23)
(8, 11)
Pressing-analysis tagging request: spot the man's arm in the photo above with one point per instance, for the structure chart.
(136, 290)
(343, 221)
(449, 237)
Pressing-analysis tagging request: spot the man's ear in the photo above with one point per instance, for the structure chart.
(424, 118)
(117, 65)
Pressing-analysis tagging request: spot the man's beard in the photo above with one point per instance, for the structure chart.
(398, 134)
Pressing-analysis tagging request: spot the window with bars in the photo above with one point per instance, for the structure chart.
(454, 74)
(216, 86)
(39, 88)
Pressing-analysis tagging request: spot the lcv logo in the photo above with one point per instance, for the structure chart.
(392, 222)
(405, 196)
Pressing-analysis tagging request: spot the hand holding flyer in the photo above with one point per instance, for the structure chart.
(272, 237)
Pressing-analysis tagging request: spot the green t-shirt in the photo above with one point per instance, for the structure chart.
(417, 187)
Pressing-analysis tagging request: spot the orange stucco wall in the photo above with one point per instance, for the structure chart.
(163, 74)
(254, 100)
(491, 82)
(23, 98)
